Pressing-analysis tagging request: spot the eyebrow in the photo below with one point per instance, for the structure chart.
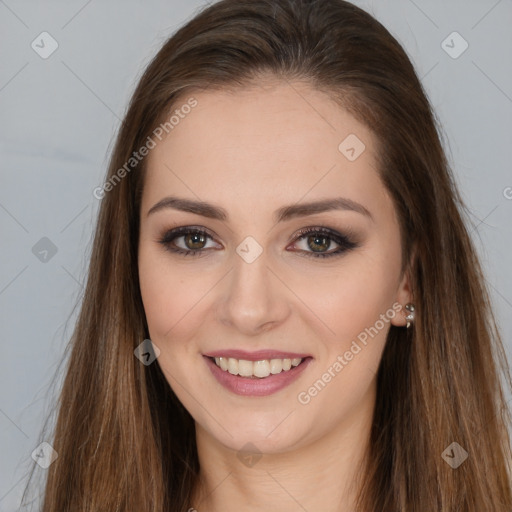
(285, 213)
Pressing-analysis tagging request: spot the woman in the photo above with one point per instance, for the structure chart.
(284, 310)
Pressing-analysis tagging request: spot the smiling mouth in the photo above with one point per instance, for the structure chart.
(256, 369)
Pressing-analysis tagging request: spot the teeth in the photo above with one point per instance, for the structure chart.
(260, 369)
(233, 366)
(276, 365)
(244, 368)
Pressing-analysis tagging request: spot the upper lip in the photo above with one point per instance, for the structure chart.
(258, 355)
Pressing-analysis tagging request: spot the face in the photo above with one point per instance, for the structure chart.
(279, 249)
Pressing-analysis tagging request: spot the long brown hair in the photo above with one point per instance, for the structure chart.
(124, 441)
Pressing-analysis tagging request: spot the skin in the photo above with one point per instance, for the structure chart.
(251, 152)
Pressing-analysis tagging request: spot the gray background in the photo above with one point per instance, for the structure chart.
(59, 116)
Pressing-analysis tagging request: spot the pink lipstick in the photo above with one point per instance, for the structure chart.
(256, 386)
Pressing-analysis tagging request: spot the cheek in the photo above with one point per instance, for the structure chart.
(168, 295)
(350, 299)
(357, 305)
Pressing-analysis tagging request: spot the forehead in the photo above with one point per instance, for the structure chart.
(274, 142)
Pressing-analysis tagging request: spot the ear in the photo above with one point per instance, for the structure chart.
(403, 296)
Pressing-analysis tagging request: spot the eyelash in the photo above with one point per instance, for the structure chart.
(345, 242)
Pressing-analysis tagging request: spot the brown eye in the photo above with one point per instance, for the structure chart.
(187, 241)
(195, 241)
(316, 242)
(319, 243)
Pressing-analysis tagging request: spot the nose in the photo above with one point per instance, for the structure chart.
(253, 299)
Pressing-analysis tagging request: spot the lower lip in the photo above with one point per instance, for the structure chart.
(256, 387)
